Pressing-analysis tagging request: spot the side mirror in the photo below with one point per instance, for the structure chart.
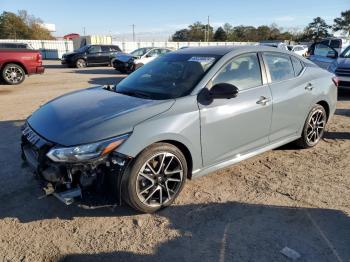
(332, 54)
(223, 91)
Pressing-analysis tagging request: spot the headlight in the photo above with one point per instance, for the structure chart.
(85, 152)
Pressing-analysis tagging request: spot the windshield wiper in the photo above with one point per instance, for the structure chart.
(135, 94)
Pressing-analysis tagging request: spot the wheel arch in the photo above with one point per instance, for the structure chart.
(326, 107)
(185, 151)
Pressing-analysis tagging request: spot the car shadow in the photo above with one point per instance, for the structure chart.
(97, 71)
(55, 66)
(207, 232)
(342, 112)
(243, 232)
(337, 135)
(344, 93)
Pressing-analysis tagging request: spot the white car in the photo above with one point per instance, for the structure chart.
(300, 50)
(127, 63)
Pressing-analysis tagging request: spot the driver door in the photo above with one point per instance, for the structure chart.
(94, 55)
(232, 127)
(322, 55)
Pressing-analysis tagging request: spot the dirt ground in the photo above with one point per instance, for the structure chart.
(248, 212)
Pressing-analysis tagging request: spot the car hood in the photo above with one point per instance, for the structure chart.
(123, 57)
(91, 115)
(343, 62)
(70, 54)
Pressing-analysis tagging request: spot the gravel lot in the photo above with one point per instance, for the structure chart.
(248, 212)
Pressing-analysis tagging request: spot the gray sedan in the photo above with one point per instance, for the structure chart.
(184, 115)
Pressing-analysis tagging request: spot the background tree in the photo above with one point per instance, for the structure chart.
(22, 26)
(220, 35)
(317, 29)
(181, 36)
(13, 27)
(343, 23)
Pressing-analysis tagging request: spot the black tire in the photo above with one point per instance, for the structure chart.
(304, 141)
(132, 178)
(80, 63)
(13, 74)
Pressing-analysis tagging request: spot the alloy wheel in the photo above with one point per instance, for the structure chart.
(159, 180)
(81, 63)
(13, 75)
(315, 127)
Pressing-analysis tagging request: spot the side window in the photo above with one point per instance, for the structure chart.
(280, 66)
(164, 51)
(243, 72)
(105, 49)
(336, 43)
(322, 50)
(115, 48)
(95, 49)
(297, 65)
(154, 53)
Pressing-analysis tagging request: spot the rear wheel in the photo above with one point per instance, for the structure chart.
(156, 178)
(80, 63)
(313, 128)
(13, 74)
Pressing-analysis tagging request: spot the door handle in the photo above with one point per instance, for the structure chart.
(309, 87)
(263, 101)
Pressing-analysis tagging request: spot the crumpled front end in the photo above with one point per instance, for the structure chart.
(67, 181)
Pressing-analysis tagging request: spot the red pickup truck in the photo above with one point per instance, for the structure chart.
(15, 64)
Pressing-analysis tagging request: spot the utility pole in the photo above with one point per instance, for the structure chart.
(208, 34)
(84, 31)
(133, 32)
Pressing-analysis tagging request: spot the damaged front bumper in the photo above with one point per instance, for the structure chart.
(66, 181)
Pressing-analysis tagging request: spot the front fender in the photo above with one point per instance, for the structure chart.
(179, 124)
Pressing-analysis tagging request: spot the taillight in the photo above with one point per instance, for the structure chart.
(39, 57)
(335, 81)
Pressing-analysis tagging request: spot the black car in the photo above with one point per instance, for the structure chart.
(91, 55)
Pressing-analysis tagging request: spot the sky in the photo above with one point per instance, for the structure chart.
(158, 19)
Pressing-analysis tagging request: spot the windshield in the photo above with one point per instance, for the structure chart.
(140, 51)
(170, 76)
(346, 53)
(82, 49)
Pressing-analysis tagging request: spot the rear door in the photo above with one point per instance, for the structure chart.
(231, 127)
(106, 54)
(291, 94)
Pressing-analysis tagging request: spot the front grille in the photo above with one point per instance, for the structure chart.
(342, 71)
(35, 146)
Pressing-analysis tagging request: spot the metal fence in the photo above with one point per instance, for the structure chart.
(130, 46)
(54, 49)
(50, 49)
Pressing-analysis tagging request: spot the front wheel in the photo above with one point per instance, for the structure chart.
(313, 128)
(155, 178)
(13, 74)
(80, 63)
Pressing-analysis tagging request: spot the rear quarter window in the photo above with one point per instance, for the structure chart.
(298, 66)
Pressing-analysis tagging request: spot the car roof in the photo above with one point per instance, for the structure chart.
(223, 50)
